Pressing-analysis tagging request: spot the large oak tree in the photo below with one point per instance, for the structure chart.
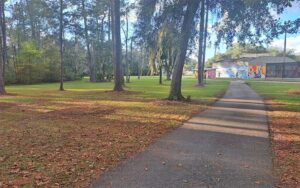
(175, 90)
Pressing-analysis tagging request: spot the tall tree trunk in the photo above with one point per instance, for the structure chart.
(169, 64)
(285, 41)
(32, 24)
(117, 50)
(4, 44)
(3, 48)
(2, 82)
(201, 39)
(140, 62)
(205, 40)
(131, 59)
(102, 36)
(126, 50)
(175, 91)
(87, 41)
(61, 30)
(153, 54)
(160, 74)
(109, 20)
(109, 33)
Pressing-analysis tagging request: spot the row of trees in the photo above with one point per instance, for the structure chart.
(43, 34)
(51, 40)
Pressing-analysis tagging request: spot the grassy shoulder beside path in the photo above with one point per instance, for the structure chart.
(60, 139)
(283, 99)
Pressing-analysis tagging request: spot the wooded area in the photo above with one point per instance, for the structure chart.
(47, 41)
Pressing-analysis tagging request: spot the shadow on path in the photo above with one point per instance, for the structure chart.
(225, 146)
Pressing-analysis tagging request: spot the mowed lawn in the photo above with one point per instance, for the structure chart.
(283, 94)
(50, 138)
(283, 99)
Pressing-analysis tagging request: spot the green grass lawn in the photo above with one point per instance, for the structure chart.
(279, 92)
(147, 88)
(68, 138)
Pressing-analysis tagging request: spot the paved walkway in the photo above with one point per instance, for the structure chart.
(225, 146)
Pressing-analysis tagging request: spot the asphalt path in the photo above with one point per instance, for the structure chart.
(225, 146)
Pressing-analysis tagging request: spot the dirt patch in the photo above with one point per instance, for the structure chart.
(294, 91)
(285, 129)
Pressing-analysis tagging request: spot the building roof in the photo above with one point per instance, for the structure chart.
(261, 60)
(210, 68)
(271, 59)
(254, 55)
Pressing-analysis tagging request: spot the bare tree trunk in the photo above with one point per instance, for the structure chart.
(169, 64)
(109, 20)
(160, 75)
(2, 82)
(152, 53)
(131, 59)
(3, 48)
(102, 36)
(87, 41)
(201, 39)
(175, 91)
(61, 30)
(4, 44)
(117, 50)
(126, 51)
(141, 62)
(32, 24)
(205, 40)
(285, 41)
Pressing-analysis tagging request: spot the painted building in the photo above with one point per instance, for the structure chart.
(248, 67)
(283, 70)
(232, 68)
(258, 66)
(210, 73)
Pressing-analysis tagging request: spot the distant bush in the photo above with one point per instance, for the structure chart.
(33, 64)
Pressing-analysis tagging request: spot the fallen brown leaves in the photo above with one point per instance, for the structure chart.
(285, 127)
(294, 91)
(4, 106)
(57, 143)
(79, 111)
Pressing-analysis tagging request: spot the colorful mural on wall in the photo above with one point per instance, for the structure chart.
(233, 72)
(242, 72)
(257, 71)
(210, 73)
(256, 67)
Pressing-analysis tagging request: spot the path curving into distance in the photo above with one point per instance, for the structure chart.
(226, 146)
